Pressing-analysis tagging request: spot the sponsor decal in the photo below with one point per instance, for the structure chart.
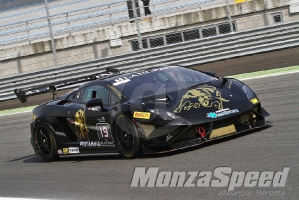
(126, 79)
(221, 113)
(221, 177)
(59, 151)
(73, 150)
(80, 125)
(218, 132)
(148, 71)
(102, 119)
(205, 97)
(96, 108)
(96, 143)
(122, 80)
(65, 151)
(142, 115)
(115, 90)
(90, 144)
(254, 101)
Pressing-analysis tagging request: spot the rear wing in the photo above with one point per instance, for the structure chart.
(23, 94)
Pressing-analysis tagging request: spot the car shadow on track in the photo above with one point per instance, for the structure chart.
(22, 158)
(89, 157)
(76, 158)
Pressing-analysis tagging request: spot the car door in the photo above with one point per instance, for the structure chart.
(91, 124)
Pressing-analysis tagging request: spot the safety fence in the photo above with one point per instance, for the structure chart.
(29, 22)
(77, 31)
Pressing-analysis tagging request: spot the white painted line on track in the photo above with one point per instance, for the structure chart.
(15, 114)
(270, 75)
(9, 198)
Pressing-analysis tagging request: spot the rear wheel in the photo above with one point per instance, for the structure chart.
(127, 138)
(45, 143)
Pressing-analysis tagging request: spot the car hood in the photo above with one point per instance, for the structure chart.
(209, 101)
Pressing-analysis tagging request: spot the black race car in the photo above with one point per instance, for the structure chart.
(149, 110)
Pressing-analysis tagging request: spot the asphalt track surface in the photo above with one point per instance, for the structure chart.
(25, 175)
(252, 63)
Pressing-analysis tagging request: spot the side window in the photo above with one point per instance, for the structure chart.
(114, 98)
(96, 91)
(75, 95)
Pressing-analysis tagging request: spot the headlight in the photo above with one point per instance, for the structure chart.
(33, 117)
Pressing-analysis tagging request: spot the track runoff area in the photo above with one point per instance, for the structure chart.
(278, 180)
(242, 77)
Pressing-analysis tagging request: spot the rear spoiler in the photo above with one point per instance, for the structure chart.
(23, 94)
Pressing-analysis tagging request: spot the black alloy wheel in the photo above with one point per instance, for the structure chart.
(127, 138)
(45, 142)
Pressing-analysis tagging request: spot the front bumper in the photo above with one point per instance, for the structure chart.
(195, 134)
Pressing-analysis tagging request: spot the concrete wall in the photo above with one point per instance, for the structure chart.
(94, 44)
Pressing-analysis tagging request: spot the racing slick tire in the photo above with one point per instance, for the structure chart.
(45, 143)
(127, 139)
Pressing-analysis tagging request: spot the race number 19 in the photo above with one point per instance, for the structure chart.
(103, 130)
(105, 135)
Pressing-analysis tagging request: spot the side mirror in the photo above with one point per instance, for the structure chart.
(95, 102)
(209, 72)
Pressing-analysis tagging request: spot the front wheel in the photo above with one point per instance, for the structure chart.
(127, 138)
(45, 143)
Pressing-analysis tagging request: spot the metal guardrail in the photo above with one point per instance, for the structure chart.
(189, 53)
(32, 25)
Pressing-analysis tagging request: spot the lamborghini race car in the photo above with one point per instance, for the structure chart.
(149, 110)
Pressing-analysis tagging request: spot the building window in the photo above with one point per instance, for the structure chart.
(156, 42)
(174, 38)
(225, 28)
(191, 35)
(277, 18)
(208, 32)
(135, 44)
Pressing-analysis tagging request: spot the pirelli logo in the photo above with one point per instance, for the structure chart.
(142, 115)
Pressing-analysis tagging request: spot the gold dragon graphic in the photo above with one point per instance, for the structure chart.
(206, 97)
(80, 125)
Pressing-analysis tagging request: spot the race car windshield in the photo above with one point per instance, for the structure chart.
(155, 81)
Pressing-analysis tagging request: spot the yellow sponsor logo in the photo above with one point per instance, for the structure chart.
(201, 97)
(115, 90)
(142, 115)
(218, 132)
(80, 125)
(65, 151)
(241, 1)
(254, 101)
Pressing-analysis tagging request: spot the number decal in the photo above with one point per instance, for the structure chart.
(104, 134)
(103, 131)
